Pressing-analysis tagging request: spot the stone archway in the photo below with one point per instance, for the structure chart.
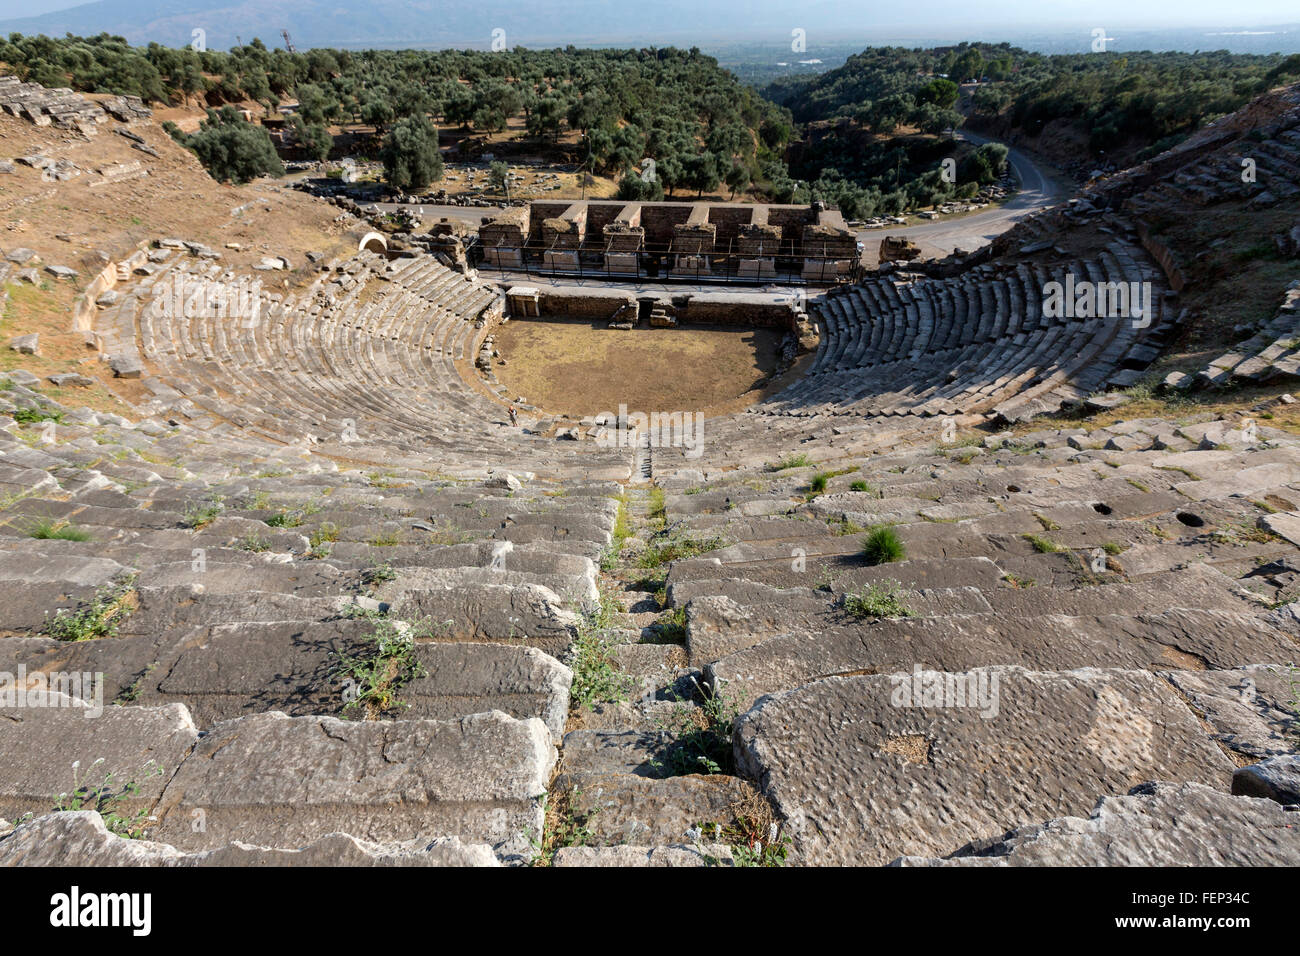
(373, 242)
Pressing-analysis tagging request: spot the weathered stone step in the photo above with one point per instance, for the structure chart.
(742, 592)
(221, 671)
(572, 590)
(847, 573)
(632, 810)
(717, 625)
(79, 838)
(50, 744)
(861, 780)
(1198, 586)
(759, 529)
(1154, 825)
(254, 573)
(710, 501)
(588, 540)
(472, 611)
(536, 559)
(280, 781)
(1189, 639)
(161, 609)
(37, 585)
(18, 480)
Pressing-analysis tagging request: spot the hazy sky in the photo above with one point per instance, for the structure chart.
(1127, 12)
(1019, 12)
(34, 8)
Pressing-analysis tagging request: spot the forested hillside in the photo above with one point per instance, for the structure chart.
(876, 130)
(1079, 109)
(613, 108)
(1136, 103)
(870, 136)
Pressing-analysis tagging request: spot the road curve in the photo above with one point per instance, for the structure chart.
(940, 236)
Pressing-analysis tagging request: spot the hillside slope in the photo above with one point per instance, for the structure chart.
(121, 194)
(1220, 210)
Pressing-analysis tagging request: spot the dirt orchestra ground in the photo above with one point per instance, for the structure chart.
(565, 369)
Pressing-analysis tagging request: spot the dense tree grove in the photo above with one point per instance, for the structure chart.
(611, 108)
(230, 148)
(1126, 100)
(884, 87)
(410, 154)
(876, 128)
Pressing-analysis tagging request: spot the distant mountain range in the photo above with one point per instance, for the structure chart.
(709, 24)
(420, 23)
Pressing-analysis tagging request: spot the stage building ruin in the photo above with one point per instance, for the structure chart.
(694, 241)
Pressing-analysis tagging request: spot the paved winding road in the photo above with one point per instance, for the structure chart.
(940, 236)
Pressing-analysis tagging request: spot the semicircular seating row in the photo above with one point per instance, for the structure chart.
(895, 352)
(978, 343)
(364, 357)
(1273, 161)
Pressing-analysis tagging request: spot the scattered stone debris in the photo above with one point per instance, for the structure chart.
(126, 365)
(58, 107)
(71, 379)
(126, 109)
(26, 344)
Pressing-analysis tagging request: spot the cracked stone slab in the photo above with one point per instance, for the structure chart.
(1156, 824)
(1249, 709)
(42, 740)
(283, 781)
(79, 838)
(861, 776)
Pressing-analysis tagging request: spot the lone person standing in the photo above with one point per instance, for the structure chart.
(514, 416)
